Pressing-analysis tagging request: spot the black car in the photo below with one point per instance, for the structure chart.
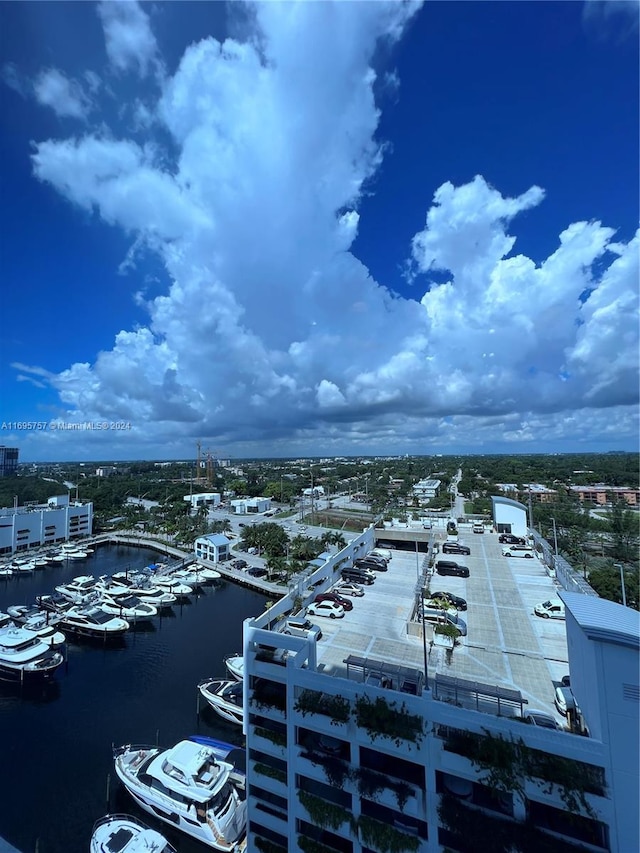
(239, 564)
(455, 548)
(447, 567)
(453, 600)
(510, 539)
(358, 575)
(373, 565)
(257, 572)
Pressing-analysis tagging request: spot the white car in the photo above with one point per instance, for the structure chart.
(348, 588)
(325, 608)
(551, 609)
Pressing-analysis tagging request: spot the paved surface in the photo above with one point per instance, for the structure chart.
(506, 645)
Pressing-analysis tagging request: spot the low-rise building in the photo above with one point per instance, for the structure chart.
(213, 547)
(206, 499)
(36, 525)
(425, 490)
(245, 506)
(509, 516)
(600, 494)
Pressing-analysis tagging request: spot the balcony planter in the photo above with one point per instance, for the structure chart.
(271, 772)
(323, 813)
(381, 719)
(337, 708)
(335, 769)
(276, 738)
(310, 845)
(384, 837)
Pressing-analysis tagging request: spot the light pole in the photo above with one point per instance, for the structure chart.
(624, 594)
(555, 542)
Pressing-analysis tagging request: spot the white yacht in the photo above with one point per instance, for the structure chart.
(38, 623)
(40, 562)
(128, 606)
(196, 575)
(144, 588)
(6, 572)
(24, 658)
(78, 589)
(120, 833)
(235, 665)
(191, 787)
(225, 697)
(93, 623)
(173, 585)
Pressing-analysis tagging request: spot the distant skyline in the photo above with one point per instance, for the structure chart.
(322, 229)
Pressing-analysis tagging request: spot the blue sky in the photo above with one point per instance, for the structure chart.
(301, 229)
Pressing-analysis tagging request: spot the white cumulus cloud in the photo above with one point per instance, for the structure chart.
(129, 40)
(272, 330)
(65, 96)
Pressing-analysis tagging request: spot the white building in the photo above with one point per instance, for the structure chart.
(213, 547)
(207, 499)
(37, 525)
(244, 506)
(509, 516)
(387, 752)
(425, 490)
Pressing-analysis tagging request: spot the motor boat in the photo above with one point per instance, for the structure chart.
(55, 602)
(78, 589)
(140, 585)
(225, 697)
(25, 658)
(195, 576)
(76, 554)
(235, 665)
(55, 559)
(37, 622)
(93, 623)
(40, 562)
(128, 606)
(190, 786)
(6, 572)
(120, 833)
(173, 585)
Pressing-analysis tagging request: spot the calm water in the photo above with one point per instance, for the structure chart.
(56, 744)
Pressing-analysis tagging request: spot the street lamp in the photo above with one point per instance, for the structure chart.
(624, 594)
(555, 541)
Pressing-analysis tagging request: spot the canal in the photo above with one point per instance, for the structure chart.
(57, 742)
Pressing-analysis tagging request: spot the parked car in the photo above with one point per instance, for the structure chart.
(455, 600)
(540, 718)
(388, 545)
(366, 563)
(325, 608)
(437, 616)
(337, 599)
(300, 626)
(257, 572)
(564, 699)
(448, 567)
(378, 558)
(302, 527)
(510, 539)
(239, 564)
(349, 588)
(517, 551)
(553, 608)
(455, 548)
(382, 552)
(439, 604)
(358, 575)
(478, 527)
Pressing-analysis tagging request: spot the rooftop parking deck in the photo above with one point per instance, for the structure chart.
(506, 645)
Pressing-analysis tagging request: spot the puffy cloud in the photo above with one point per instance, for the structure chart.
(272, 330)
(130, 43)
(66, 97)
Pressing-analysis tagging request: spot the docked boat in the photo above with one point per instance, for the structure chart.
(196, 575)
(93, 623)
(235, 665)
(190, 786)
(173, 585)
(128, 606)
(120, 833)
(39, 623)
(225, 697)
(78, 589)
(6, 572)
(40, 563)
(76, 554)
(140, 585)
(55, 602)
(25, 658)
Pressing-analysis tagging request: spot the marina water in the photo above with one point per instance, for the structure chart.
(58, 775)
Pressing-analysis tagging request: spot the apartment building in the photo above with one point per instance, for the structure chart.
(60, 519)
(375, 739)
(601, 494)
